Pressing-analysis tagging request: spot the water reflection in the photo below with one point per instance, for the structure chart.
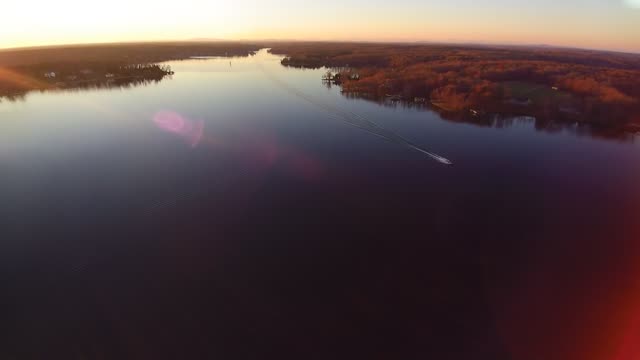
(14, 94)
(217, 216)
(356, 120)
(500, 121)
(258, 151)
(13, 97)
(172, 122)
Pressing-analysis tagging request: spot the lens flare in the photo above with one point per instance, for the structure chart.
(172, 122)
(258, 151)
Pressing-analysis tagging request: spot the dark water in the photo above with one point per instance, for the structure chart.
(232, 212)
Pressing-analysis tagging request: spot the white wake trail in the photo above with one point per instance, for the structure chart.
(355, 119)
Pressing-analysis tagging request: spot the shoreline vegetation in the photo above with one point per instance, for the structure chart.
(477, 83)
(100, 66)
(472, 84)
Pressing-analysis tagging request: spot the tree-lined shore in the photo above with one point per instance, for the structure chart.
(595, 87)
(104, 65)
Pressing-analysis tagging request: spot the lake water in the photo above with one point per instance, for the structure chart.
(234, 211)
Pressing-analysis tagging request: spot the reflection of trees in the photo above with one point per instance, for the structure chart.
(13, 97)
(122, 82)
(327, 83)
(599, 88)
(543, 123)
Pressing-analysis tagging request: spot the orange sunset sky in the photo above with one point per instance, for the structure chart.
(601, 24)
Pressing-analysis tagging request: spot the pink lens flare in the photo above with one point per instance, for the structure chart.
(172, 122)
(262, 151)
(257, 150)
(304, 165)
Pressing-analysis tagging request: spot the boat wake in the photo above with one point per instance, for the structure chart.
(355, 119)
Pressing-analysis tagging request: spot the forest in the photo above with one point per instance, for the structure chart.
(463, 82)
(107, 65)
(594, 87)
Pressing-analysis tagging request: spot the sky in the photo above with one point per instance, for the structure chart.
(598, 24)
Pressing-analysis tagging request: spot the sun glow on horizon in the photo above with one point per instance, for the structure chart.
(610, 24)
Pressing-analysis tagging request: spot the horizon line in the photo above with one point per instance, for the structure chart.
(248, 41)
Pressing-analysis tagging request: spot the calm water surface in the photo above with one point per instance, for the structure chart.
(231, 212)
